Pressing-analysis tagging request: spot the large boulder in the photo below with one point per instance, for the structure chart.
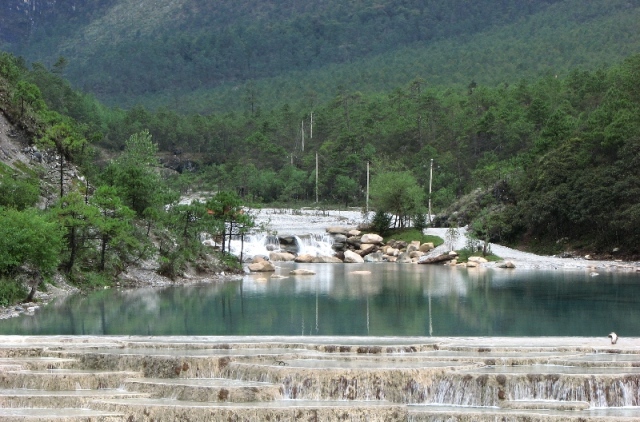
(338, 230)
(287, 239)
(373, 238)
(301, 271)
(354, 232)
(426, 247)
(304, 258)
(374, 257)
(352, 257)
(391, 251)
(366, 248)
(262, 267)
(326, 260)
(413, 246)
(281, 256)
(477, 259)
(338, 246)
(404, 258)
(436, 259)
(354, 241)
(397, 244)
(339, 238)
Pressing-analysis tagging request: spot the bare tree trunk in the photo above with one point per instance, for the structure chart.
(37, 280)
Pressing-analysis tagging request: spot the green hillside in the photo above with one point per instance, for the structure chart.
(202, 56)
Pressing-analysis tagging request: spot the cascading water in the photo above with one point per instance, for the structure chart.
(315, 244)
(255, 245)
(262, 245)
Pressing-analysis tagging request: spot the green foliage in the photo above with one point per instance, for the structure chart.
(18, 193)
(411, 234)
(117, 235)
(242, 56)
(420, 221)
(78, 218)
(11, 291)
(465, 253)
(397, 193)
(134, 175)
(381, 223)
(28, 238)
(28, 94)
(346, 189)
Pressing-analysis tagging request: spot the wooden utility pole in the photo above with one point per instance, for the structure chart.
(302, 134)
(367, 200)
(430, 179)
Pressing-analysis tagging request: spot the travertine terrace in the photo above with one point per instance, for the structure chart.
(76, 378)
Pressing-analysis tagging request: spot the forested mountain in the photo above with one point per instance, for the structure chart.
(198, 55)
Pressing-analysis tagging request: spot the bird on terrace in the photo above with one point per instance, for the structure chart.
(614, 337)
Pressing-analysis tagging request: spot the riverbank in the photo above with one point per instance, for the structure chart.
(313, 221)
(310, 221)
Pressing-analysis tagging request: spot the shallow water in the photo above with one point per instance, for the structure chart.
(394, 300)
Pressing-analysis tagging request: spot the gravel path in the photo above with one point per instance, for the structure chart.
(527, 260)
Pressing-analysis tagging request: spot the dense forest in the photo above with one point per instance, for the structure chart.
(544, 160)
(199, 56)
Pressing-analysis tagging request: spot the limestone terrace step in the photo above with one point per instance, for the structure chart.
(424, 413)
(58, 415)
(280, 410)
(64, 379)
(36, 363)
(544, 404)
(206, 389)
(23, 398)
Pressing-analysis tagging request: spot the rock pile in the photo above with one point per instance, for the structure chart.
(352, 246)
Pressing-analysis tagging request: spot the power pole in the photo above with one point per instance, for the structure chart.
(311, 129)
(302, 134)
(367, 200)
(430, 179)
(316, 177)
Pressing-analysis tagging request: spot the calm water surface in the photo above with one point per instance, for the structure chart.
(395, 299)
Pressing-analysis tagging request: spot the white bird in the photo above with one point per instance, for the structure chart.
(614, 337)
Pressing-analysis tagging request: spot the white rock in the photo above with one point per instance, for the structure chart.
(352, 257)
(301, 271)
(281, 256)
(264, 266)
(426, 247)
(371, 238)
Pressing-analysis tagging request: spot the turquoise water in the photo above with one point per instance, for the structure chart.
(394, 300)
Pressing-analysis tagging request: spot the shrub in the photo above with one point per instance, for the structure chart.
(11, 291)
(381, 223)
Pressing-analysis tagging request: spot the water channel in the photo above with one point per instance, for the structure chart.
(393, 300)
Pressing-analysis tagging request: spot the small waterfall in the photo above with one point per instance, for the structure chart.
(255, 245)
(315, 244)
